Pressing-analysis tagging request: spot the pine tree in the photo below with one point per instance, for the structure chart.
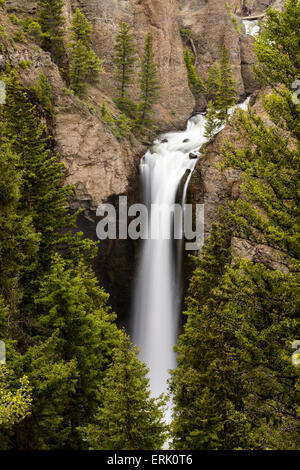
(128, 419)
(19, 242)
(194, 81)
(53, 382)
(81, 29)
(213, 81)
(42, 195)
(51, 20)
(124, 124)
(226, 93)
(277, 50)
(57, 327)
(212, 122)
(33, 30)
(124, 58)
(79, 69)
(277, 46)
(75, 330)
(230, 391)
(43, 92)
(85, 65)
(149, 86)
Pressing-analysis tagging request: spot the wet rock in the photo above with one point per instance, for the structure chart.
(193, 156)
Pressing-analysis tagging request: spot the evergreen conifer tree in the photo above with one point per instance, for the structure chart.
(81, 29)
(19, 243)
(42, 195)
(43, 92)
(85, 65)
(71, 304)
(212, 123)
(124, 58)
(213, 81)
(128, 419)
(227, 386)
(226, 93)
(194, 81)
(149, 86)
(51, 20)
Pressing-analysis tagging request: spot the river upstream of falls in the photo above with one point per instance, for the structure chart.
(158, 287)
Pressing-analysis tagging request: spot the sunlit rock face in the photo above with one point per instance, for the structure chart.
(176, 102)
(253, 7)
(211, 27)
(96, 162)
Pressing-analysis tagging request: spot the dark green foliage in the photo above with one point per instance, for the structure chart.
(226, 92)
(42, 195)
(194, 81)
(277, 46)
(81, 29)
(18, 239)
(79, 69)
(55, 314)
(85, 65)
(212, 123)
(213, 82)
(149, 86)
(124, 59)
(62, 323)
(235, 387)
(43, 92)
(270, 162)
(220, 88)
(51, 21)
(127, 106)
(270, 211)
(128, 418)
(75, 334)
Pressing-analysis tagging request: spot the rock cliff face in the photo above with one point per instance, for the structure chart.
(96, 162)
(253, 7)
(100, 167)
(212, 27)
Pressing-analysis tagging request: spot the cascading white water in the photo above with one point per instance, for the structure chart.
(158, 286)
(252, 27)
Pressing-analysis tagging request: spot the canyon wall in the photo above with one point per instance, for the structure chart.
(101, 167)
(97, 164)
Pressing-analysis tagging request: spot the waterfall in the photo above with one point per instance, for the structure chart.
(252, 27)
(158, 285)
